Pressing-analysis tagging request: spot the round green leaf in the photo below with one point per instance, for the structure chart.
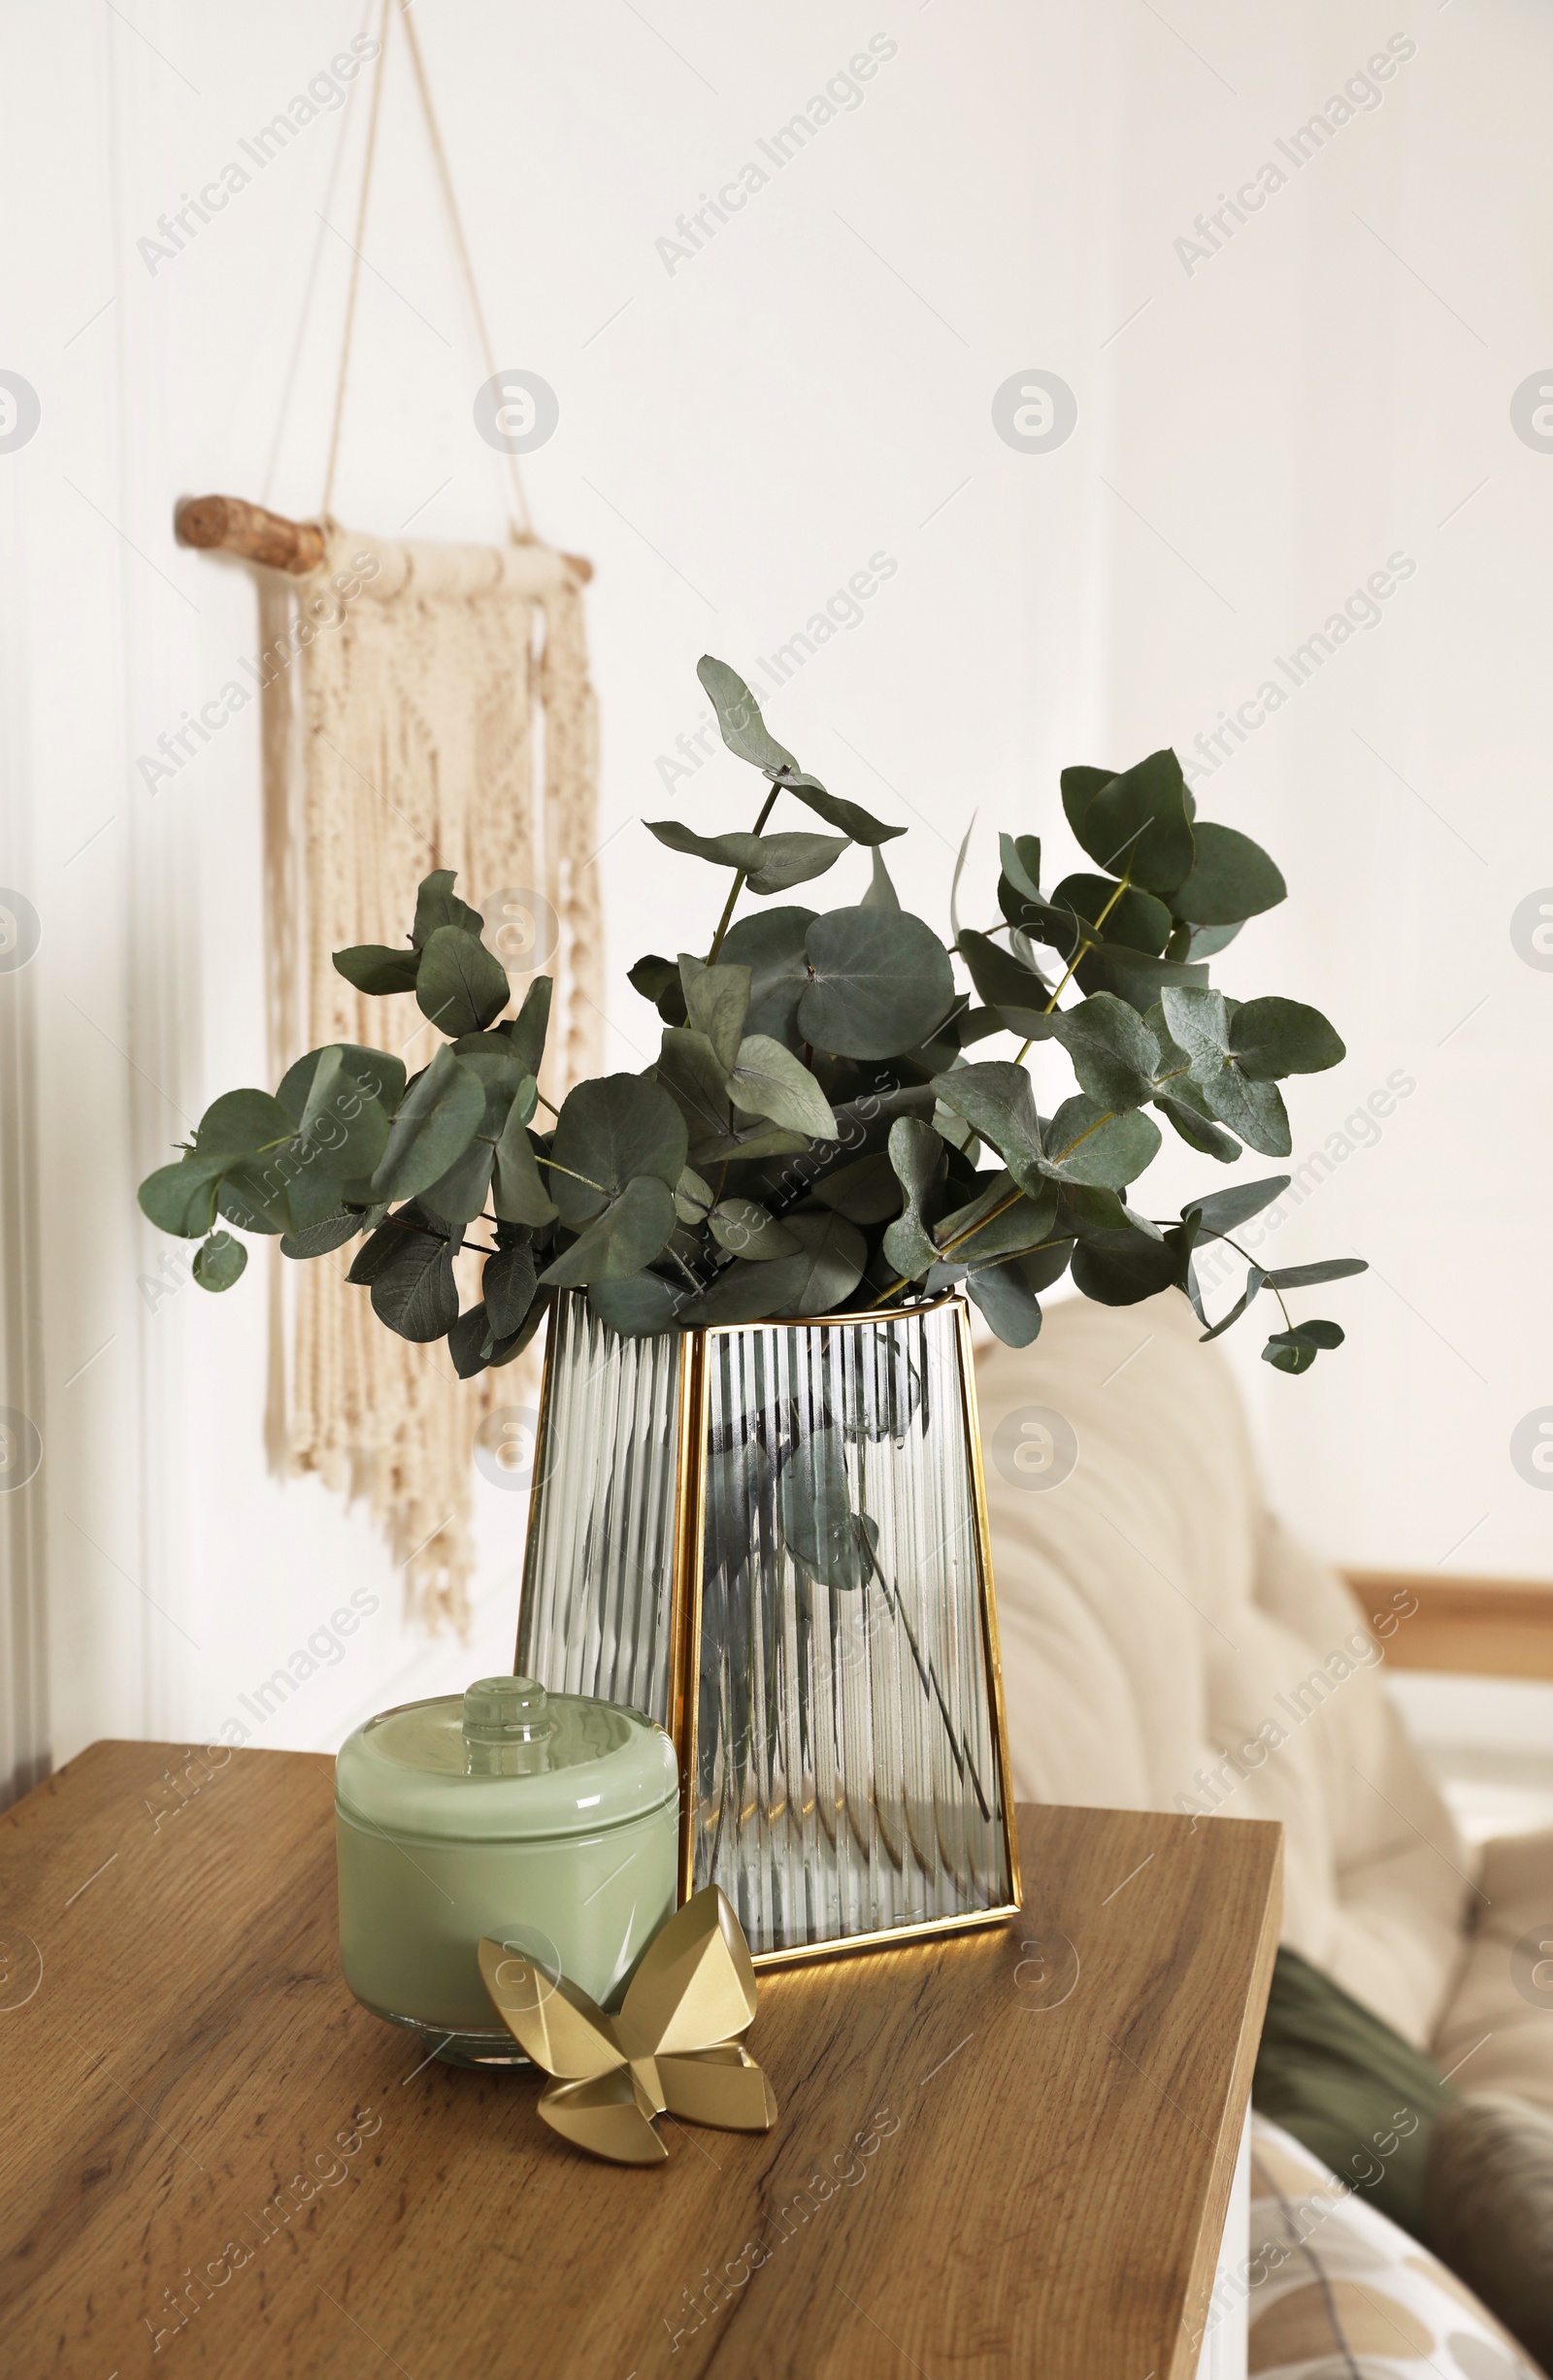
(744, 730)
(220, 1261)
(460, 986)
(240, 1122)
(415, 1292)
(1232, 878)
(180, 1198)
(772, 947)
(1271, 1039)
(880, 983)
(769, 1081)
(1137, 825)
(609, 1131)
(438, 1117)
(830, 1267)
(632, 1230)
(377, 969)
(1134, 919)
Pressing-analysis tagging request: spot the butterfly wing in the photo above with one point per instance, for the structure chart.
(605, 2116)
(722, 2087)
(561, 2029)
(696, 1984)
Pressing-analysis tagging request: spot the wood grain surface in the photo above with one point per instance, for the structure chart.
(1009, 2152)
(1481, 1627)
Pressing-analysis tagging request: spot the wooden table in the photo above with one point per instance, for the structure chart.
(1002, 2153)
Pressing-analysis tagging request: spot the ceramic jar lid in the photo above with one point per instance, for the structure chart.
(505, 1762)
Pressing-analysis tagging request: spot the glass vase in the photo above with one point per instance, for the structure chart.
(771, 1538)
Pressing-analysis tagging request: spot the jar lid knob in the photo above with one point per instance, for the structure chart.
(504, 1710)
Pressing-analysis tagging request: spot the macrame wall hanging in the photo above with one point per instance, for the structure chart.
(437, 714)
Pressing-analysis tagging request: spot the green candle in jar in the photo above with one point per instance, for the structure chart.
(548, 1822)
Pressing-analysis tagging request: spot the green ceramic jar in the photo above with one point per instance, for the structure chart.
(548, 1822)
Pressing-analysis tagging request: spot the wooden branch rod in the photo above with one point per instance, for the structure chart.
(247, 530)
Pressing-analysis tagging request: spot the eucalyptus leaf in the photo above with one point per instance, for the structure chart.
(220, 1261)
(459, 1195)
(769, 1081)
(1255, 1279)
(882, 893)
(1114, 1055)
(630, 1232)
(1232, 878)
(180, 1197)
(867, 1191)
(743, 731)
(507, 1286)
(786, 860)
(1087, 1142)
(1020, 995)
(526, 1030)
(743, 1291)
(1020, 855)
(920, 1162)
(693, 1198)
(996, 1100)
(1132, 976)
(438, 1117)
(1002, 1221)
(467, 1341)
(1271, 1039)
(376, 1075)
(740, 850)
(745, 1228)
(1007, 1301)
(1199, 1022)
(695, 1078)
(415, 1292)
(814, 1508)
(717, 1003)
(1131, 918)
(1311, 1276)
(880, 980)
(253, 1193)
(437, 905)
(241, 1122)
(1223, 1210)
(341, 1130)
(518, 1192)
(1125, 1276)
(1199, 1131)
(857, 824)
(461, 988)
(321, 1238)
(640, 1308)
(1137, 825)
(772, 947)
(830, 1267)
(376, 969)
(609, 1133)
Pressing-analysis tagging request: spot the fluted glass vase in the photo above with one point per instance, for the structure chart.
(771, 1538)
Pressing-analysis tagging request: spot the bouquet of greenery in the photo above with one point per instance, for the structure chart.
(817, 1135)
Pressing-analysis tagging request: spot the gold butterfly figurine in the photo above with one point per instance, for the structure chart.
(672, 2049)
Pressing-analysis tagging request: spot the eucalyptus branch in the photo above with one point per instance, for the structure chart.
(565, 1169)
(1288, 1318)
(738, 881)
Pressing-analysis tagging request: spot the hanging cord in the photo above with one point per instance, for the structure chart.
(288, 388)
(355, 259)
(526, 531)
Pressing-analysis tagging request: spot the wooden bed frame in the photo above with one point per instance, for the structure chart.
(1482, 1627)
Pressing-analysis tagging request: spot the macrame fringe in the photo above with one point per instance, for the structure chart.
(432, 699)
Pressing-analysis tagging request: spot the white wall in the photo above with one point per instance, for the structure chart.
(737, 438)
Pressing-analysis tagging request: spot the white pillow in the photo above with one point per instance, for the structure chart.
(1337, 2292)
